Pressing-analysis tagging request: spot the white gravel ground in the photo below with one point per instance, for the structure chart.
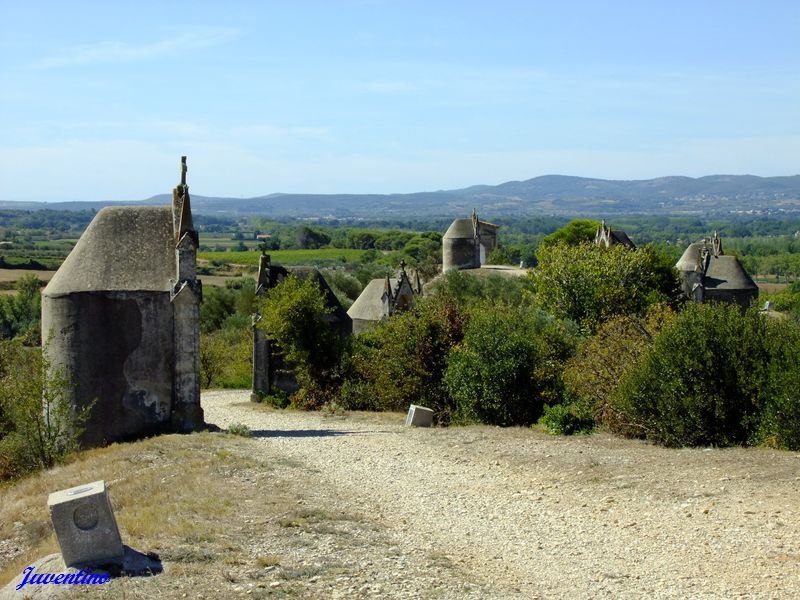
(485, 512)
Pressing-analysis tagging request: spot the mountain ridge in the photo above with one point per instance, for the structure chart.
(549, 194)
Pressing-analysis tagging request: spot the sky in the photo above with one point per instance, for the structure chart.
(98, 100)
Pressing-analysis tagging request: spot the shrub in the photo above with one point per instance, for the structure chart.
(779, 422)
(593, 375)
(277, 399)
(508, 366)
(239, 429)
(566, 419)
(37, 425)
(700, 384)
(295, 317)
(402, 361)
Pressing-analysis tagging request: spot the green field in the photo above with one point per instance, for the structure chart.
(286, 257)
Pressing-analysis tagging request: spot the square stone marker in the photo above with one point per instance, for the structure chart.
(85, 525)
(419, 416)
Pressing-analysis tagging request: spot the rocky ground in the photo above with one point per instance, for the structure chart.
(510, 513)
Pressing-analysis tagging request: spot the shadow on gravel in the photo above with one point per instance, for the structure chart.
(303, 433)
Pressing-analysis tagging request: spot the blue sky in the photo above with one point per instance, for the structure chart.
(98, 100)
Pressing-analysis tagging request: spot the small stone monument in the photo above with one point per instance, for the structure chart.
(85, 526)
(419, 416)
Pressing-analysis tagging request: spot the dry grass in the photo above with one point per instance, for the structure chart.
(227, 517)
(173, 495)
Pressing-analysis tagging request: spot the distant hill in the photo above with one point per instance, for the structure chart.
(549, 194)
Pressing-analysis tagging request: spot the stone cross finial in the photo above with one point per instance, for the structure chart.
(184, 168)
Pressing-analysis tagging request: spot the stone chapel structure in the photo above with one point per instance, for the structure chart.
(709, 275)
(121, 319)
(467, 243)
(382, 298)
(607, 237)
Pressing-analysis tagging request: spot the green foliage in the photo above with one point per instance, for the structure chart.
(566, 419)
(467, 288)
(701, 383)
(578, 231)
(589, 284)
(508, 366)
(295, 317)
(779, 422)
(239, 429)
(402, 361)
(308, 238)
(502, 256)
(286, 257)
(38, 428)
(277, 399)
(20, 314)
(593, 375)
(345, 286)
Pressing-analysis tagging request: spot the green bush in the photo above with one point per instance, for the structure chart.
(38, 428)
(402, 361)
(508, 366)
(239, 429)
(277, 399)
(593, 375)
(779, 422)
(701, 383)
(566, 419)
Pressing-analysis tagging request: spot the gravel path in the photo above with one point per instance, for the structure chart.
(512, 513)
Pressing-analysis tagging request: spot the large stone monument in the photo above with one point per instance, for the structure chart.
(121, 319)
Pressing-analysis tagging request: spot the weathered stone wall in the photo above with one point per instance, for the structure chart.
(187, 415)
(743, 298)
(118, 348)
(459, 253)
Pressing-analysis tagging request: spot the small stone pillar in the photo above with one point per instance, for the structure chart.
(419, 416)
(85, 526)
(261, 373)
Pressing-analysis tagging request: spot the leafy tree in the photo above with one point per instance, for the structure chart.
(467, 288)
(295, 316)
(502, 256)
(779, 421)
(308, 238)
(20, 314)
(593, 375)
(575, 232)
(589, 284)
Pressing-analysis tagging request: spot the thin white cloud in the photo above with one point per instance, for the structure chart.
(108, 52)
